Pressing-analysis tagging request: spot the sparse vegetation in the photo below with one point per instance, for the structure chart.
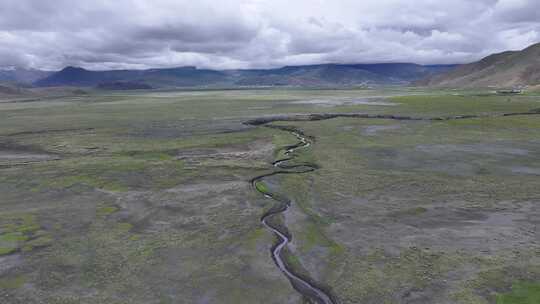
(147, 198)
(522, 293)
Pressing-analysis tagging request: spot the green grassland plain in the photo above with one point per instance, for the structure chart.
(144, 197)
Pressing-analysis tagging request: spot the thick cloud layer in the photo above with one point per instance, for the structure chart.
(101, 34)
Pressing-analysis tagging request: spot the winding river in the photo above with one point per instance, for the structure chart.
(305, 286)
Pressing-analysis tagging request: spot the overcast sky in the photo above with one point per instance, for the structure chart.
(220, 34)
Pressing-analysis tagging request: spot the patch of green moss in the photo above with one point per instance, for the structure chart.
(314, 236)
(261, 187)
(106, 210)
(42, 241)
(124, 226)
(13, 237)
(21, 231)
(254, 236)
(12, 283)
(7, 250)
(280, 140)
(10, 242)
(292, 260)
(521, 293)
(24, 223)
(26, 228)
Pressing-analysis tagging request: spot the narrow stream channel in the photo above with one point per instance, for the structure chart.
(304, 286)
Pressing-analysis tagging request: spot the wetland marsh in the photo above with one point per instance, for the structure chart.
(146, 197)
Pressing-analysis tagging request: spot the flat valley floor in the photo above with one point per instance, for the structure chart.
(145, 197)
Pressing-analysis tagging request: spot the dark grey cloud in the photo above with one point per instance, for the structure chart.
(100, 34)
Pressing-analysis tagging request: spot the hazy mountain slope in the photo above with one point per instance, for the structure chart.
(75, 76)
(184, 76)
(508, 69)
(23, 76)
(320, 75)
(123, 86)
(339, 74)
(405, 71)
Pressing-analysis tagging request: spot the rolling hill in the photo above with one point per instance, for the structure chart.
(308, 75)
(503, 70)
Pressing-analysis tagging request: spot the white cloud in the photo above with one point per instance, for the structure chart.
(259, 33)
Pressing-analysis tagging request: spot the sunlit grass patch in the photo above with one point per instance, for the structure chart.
(521, 293)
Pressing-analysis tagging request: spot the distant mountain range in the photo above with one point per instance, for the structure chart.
(337, 74)
(504, 70)
(322, 75)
